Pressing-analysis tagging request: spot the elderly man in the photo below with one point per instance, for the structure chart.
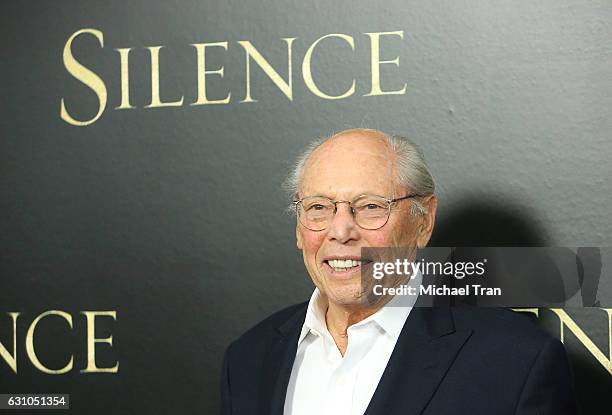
(337, 354)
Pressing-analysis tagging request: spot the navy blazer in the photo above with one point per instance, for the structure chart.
(447, 360)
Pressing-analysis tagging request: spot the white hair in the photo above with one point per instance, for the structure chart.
(413, 173)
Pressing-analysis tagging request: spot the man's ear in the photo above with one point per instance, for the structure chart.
(298, 237)
(427, 221)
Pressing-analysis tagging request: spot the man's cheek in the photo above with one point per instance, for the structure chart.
(380, 239)
(312, 242)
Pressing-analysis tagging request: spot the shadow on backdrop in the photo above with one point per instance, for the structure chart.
(487, 224)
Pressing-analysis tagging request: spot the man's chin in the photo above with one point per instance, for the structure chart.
(346, 296)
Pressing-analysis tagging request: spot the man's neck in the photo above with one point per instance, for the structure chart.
(339, 317)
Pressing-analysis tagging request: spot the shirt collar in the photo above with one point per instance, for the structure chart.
(391, 317)
(315, 316)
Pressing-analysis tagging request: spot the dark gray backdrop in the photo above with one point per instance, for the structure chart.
(174, 217)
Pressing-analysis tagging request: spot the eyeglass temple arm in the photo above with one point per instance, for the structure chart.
(404, 197)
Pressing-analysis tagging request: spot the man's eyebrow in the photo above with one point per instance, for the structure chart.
(358, 194)
(315, 195)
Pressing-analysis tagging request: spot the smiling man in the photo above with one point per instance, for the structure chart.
(338, 354)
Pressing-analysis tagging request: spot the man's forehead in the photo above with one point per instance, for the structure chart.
(353, 147)
(351, 162)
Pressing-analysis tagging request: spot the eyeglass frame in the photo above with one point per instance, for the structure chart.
(335, 203)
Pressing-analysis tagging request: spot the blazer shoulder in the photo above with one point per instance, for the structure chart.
(501, 325)
(292, 315)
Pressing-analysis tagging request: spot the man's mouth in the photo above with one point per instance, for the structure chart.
(343, 265)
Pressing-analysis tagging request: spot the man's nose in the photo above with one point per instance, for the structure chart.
(342, 227)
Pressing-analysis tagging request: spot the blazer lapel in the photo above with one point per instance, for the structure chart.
(277, 365)
(425, 350)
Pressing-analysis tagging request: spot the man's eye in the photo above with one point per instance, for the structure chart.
(373, 206)
(316, 207)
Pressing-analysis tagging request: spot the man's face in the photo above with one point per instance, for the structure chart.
(343, 168)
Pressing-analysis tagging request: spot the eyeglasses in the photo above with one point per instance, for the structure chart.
(369, 211)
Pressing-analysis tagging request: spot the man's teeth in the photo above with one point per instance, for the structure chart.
(343, 265)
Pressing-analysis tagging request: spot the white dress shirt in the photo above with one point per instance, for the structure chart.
(322, 380)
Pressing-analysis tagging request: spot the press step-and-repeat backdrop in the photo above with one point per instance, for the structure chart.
(143, 146)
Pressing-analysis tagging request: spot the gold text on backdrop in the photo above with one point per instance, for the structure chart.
(204, 71)
(90, 341)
